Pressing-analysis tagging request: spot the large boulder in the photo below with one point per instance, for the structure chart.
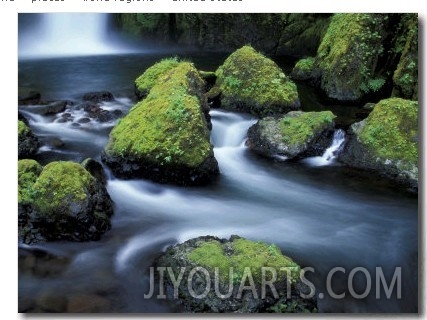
(230, 277)
(148, 79)
(27, 141)
(61, 201)
(250, 82)
(296, 134)
(165, 137)
(387, 141)
(347, 58)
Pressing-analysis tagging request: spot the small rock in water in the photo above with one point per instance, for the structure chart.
(98, 96)
(56, 142)
(87, 303)
(83, 120)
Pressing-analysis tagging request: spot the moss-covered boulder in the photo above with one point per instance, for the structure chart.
(387, 141)
(297, 134)
(27, 142)
(405, 77)
(349, 54)
(148, 79)
(61, 201)
(250, 82)
(165, 137)
(230, 277)
(303, 69)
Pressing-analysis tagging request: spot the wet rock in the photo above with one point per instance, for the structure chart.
(28, 143)
(76, 125)
(83, 120)
(61, 201)
(117, 113)
(297, 134)
(51, 301)
(250, 82)
(56, 142)
(239, 262)
(95, 169)
(98, 96)
(25, 304)
(40, 263)
(87, 303)
(28, 96)
(51, 108)
(165, 137)
(387, 142)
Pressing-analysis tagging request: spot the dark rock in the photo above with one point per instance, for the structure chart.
(117, 113)
(83, 120)
(22, 118)
(76, 125)
(40, 263)
(295, 135)
(210, 253)
(51, 301)
(51, 108)
(28, 96)
(28, 143)
(99, 96)
(87, 303)
(56, 142)
(95, 169)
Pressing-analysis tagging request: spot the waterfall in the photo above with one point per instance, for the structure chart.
(331, 153)
(66, 34)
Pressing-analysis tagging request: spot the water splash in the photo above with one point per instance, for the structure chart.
(331, 153)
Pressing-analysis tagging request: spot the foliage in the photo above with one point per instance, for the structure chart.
(23, 130)
(249, 80)
(28, 172)
(168, 127)
(299, 129)
(405, 77)
(305, 64)
(391, 130)
(242, 253)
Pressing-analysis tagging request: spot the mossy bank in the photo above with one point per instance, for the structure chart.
(165, 137)
(61, 201)
(234, 263)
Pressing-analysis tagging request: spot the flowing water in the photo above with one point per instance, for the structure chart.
(318, 212)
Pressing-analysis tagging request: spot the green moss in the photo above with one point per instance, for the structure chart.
(28, 172)
(168, 127)
(305, 64)
(249, 80)
(23, 130)
(60, 185)
(148, 79)
(348, 55)
(297, 130)
(405, 77)
(242, 253)
(391, 130)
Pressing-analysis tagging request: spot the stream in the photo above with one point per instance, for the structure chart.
(318, 212)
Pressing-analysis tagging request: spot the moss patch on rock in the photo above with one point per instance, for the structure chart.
(240, 254)
(296, 134)
(165, 132)
(250, 82)
(387, 141)
(349, 53)
(61, 201)
(303, 69)
(148, 79)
